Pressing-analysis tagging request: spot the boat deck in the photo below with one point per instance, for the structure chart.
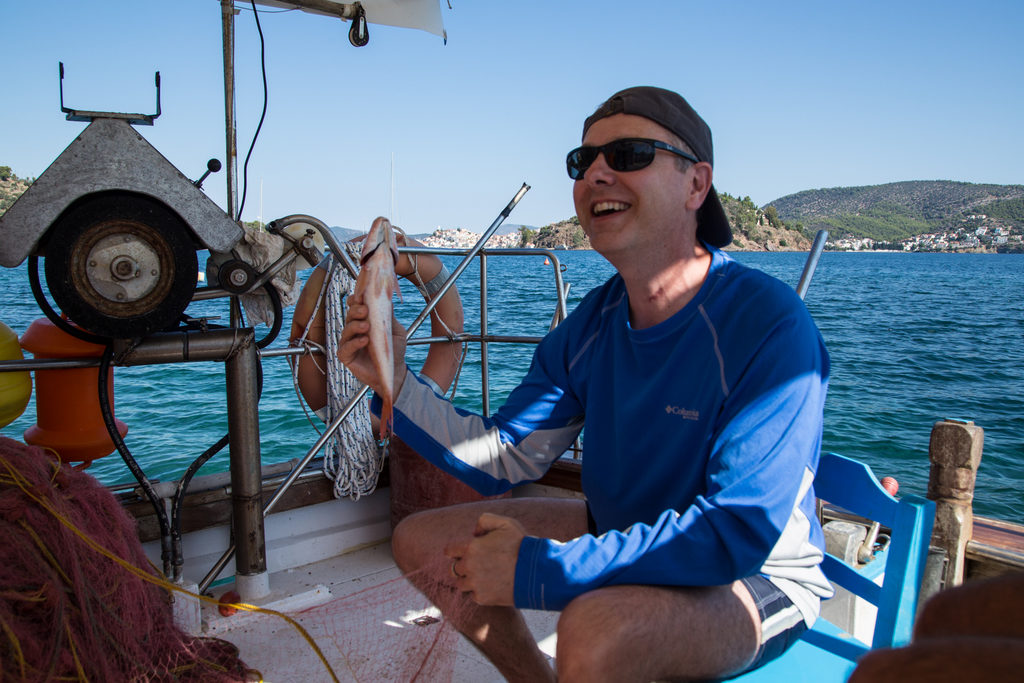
(351, 598)
(996, 547)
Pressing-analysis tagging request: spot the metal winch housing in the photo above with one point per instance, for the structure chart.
(118, 226)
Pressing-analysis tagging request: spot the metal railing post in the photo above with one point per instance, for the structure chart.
(251, 577)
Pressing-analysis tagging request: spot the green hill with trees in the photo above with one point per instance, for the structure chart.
(898, 211)
(754, 229)
(11, 187)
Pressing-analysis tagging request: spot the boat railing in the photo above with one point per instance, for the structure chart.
(484, 338)
(162, 348)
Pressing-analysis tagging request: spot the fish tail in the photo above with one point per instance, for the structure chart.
(386, 421)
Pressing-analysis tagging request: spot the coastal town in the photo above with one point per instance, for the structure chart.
(459, 238)
(965, 238)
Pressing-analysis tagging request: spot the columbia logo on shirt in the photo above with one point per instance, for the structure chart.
(683, 412)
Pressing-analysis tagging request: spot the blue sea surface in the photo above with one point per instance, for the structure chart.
(913, 338)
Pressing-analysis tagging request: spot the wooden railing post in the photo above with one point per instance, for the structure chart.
(955, 453)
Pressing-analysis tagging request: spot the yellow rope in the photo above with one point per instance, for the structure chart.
(74, 653)
(21, 482)
(12, 638)
(44, 550)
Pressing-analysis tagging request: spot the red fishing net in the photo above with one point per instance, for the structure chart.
(374, 626)
(69, 610)
(388, 632)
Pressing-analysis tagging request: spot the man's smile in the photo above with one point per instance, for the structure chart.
(608, 207)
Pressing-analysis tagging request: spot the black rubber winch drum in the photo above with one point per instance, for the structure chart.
(121, 265)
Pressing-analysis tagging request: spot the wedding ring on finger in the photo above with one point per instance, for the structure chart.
(455, 573)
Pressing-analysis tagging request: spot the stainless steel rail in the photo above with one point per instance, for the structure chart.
(483, 338)
(219, 565)
(812, 263)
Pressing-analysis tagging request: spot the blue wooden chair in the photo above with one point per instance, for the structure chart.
(826, 652)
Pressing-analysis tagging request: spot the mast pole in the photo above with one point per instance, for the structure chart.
(227, 16)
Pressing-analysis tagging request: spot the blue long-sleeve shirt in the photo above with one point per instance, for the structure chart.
(701, 438)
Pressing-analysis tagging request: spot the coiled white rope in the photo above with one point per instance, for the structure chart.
(352, 458)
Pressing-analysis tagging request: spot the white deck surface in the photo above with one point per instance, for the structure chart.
(275, 648)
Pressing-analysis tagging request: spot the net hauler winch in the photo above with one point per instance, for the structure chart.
(118, 227)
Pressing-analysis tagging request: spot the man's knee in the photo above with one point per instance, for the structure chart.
(407, 541)
(420, 539)
(635, 632)
(589, 640)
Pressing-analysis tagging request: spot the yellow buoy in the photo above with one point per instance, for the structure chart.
(15, 387)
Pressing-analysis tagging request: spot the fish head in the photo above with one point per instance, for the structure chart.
(381, 236)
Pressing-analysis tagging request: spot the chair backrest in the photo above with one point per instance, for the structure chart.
(852, 486)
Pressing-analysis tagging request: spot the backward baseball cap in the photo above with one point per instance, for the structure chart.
(671, 111)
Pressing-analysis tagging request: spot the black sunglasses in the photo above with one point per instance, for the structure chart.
(627, 154)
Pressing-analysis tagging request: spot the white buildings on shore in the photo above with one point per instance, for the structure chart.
(458, 238)
(963, 238)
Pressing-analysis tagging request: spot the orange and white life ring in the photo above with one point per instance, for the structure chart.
(427, 274)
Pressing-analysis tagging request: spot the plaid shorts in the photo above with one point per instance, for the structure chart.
(781, 621)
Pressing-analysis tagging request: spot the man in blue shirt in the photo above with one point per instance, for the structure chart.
(700, 384)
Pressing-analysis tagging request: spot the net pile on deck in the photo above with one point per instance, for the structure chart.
(74, 603)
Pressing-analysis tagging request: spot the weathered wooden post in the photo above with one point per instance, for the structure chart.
(955, 453)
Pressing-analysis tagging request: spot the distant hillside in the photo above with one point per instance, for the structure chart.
(898, 211)
(753, 229)
(345, 234)
(11, 187)
(565, 234)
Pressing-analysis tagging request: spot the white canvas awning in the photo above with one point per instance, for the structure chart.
(424, 15)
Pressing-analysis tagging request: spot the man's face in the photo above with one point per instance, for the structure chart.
(625, 213)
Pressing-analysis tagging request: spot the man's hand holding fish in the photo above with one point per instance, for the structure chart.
(353, 350)
(374, 288)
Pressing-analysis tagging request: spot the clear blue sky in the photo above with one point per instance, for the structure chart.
(799, 95)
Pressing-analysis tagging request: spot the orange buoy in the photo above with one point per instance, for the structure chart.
(68, 417)
(226, 603)
(15, 387)
(890, 485)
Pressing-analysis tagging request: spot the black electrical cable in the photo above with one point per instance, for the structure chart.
(275, 328)
(263, 116)
(52, 315)
(186, 480)
(170, 530)
(140, 476)
(177, 555)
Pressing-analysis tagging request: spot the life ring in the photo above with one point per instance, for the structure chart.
(443, 358)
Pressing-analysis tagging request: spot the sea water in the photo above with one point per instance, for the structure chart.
(913, 338)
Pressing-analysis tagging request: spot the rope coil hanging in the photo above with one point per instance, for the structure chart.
(352, 459)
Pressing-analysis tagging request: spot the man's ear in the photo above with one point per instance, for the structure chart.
(699, 184)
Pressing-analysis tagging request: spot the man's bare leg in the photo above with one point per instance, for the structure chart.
(649, 633)
(499, 632)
